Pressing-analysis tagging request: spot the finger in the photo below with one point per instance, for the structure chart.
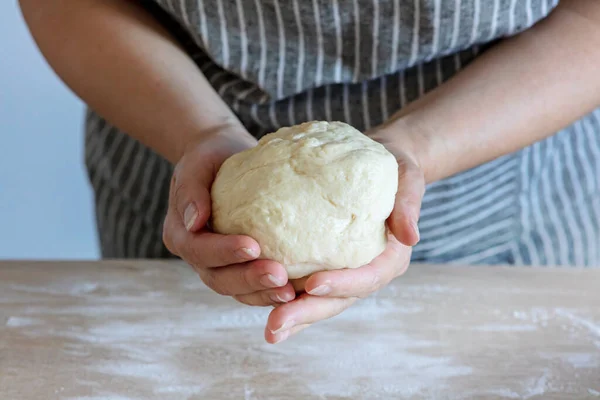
(403, 221)
(281, 336)
(363, 281)
(305, 309)
(269, 297)
(240, 279)
(206, 249)
(190, 196)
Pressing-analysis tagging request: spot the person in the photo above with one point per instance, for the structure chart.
(490, 105)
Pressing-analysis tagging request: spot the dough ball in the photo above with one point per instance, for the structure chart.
(314, 196)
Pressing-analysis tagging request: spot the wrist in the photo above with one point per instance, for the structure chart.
(218, 142)
(412, 138)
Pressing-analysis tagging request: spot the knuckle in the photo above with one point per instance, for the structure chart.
(402, 270)
(173, 181)
(194, 252)
(223, 255)
(340, 306)
(180, 245)
(403, 165)
(178, 167)
(178, 193)
(386, 282)
(242, 299)
(388, 276)
(376, 280)
(168, 237)
(373, 286)
(253, 300)
(245, 278)
(215, 284)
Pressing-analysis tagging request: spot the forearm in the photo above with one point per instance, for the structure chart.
(125, 66)
(519, 92)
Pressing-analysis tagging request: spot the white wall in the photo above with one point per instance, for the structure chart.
(46, 208)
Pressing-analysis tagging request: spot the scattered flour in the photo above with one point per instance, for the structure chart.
(248, 392)
(536, 315)
(538, 386)
(16, 322)
(171, 346)
(575, 360)
(111, 397)
(583, 360)
(506, 328)
(504, 393)
(62, 288)
(579, 321)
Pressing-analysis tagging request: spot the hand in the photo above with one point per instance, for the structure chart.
(225, 263)
(328, 293)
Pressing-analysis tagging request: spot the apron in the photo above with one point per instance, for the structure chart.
(279, 63)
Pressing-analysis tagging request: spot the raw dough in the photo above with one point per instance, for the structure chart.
(314, 196)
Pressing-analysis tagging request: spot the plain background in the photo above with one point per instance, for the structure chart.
(46, 207)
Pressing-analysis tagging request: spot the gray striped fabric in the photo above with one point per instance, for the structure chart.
(282, 62)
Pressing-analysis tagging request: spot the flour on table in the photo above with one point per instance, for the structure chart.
(163, 336)
(15, 322)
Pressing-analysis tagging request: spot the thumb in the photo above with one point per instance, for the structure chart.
(195, 172)
(190, 197)
(407, 207)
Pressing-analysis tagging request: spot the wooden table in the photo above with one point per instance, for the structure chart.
(151, 330)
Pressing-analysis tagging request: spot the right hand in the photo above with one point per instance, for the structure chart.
(226, 263)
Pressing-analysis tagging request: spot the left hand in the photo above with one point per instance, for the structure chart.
(328, 293)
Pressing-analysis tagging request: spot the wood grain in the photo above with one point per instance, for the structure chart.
(150, 330)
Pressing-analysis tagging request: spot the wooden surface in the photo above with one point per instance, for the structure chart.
(150, 330)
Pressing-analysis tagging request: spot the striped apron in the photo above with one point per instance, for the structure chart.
(283, 62)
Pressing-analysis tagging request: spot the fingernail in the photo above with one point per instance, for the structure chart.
(271, 281)
(277, 299)
(189, 216)
(415, 228)
(282, 336)
(246, 254)
(286, 326)
(320, 290)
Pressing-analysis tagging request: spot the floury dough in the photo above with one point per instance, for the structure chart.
(314, 196)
